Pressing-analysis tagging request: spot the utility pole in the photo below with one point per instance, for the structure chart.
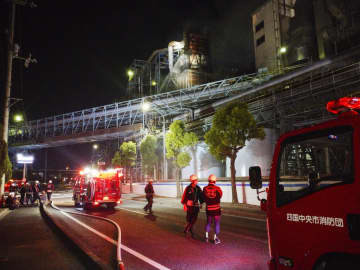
(11, 47)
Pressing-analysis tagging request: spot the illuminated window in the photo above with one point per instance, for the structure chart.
(260, 40)
(259, 26)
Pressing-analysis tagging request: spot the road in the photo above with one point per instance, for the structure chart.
(157, 241)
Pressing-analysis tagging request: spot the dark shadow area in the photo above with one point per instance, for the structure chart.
(150, 217)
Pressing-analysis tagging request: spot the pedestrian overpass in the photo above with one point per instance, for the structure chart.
(294, 96)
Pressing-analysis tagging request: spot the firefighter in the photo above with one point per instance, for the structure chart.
(149, 191)
(212, 196)
(22, 193)
(192, 199)
(36, 190)
(28, 194)
(49, 190)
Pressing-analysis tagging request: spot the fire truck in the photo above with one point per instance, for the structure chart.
(93, 188)
(313, 197)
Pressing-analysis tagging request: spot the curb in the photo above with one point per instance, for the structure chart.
(93, 262)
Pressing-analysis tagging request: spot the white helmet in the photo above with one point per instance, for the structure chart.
(50, 181)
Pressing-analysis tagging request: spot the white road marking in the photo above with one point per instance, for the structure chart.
(132, 252)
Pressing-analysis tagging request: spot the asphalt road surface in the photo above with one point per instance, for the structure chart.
(157, 241)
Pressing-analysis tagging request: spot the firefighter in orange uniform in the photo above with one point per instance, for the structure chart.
(149, 191)
(192, 199)
(212, 196)
(49, 190)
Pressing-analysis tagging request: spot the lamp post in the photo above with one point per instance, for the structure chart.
(146, 107)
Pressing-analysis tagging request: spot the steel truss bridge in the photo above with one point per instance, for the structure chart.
(290, 97)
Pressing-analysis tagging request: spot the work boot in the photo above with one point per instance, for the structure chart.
(192, 233)
(186, 230)
(217, 241)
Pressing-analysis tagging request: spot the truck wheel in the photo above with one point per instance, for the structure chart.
(111, 205)
(87, 206)
(76, 202)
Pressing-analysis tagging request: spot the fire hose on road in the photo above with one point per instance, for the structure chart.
(117, 243)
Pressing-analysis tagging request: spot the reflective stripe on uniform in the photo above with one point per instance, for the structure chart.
(213, 207)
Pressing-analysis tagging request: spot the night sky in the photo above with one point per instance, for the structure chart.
(83, 48)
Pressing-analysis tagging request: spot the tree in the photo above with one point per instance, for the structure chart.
(175, 145)
(149, 157)
(5, 164)
(232, 126)
(125, 157)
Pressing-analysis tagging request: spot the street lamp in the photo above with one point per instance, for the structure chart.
(95, 146)
(146, 107)
(130, 74)
(283, 50)
(18, 118)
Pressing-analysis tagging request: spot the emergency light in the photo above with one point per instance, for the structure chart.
(344, 104)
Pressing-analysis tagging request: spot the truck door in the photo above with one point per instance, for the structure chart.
(315, 194)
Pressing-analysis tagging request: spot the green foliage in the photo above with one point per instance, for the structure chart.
(116, 160)
(190, 139)
(176, 140)
(183, 159)
(126, 155)
(232, 126)
(149, 155)
(5, 163)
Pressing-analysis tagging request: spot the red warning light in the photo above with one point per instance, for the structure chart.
(344, 104)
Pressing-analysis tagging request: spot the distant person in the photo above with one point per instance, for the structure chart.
(36, 190)
(22, 193)
(212, 196)
(49, 190)
(192, 199)
(149, 191)
(28, 194)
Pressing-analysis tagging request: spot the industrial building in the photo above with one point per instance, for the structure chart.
(181, 65)
(290, 32)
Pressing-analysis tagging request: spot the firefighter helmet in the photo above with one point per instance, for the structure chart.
(151, 180)
(193, 177)
(212, 178)
(50, 181)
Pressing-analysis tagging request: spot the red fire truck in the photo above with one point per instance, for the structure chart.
(313, 198)
(93, 188)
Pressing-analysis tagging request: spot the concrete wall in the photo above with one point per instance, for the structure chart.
(265, 54)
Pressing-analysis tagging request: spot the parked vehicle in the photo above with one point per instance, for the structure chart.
(313, 201)
(94, 188)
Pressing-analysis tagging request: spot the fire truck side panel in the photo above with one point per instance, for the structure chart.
(316, 224)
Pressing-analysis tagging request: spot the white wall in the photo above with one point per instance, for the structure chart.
(206, 164)
(255, 153)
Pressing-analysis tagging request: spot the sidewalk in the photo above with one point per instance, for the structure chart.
(28, 241)
(245, 210)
